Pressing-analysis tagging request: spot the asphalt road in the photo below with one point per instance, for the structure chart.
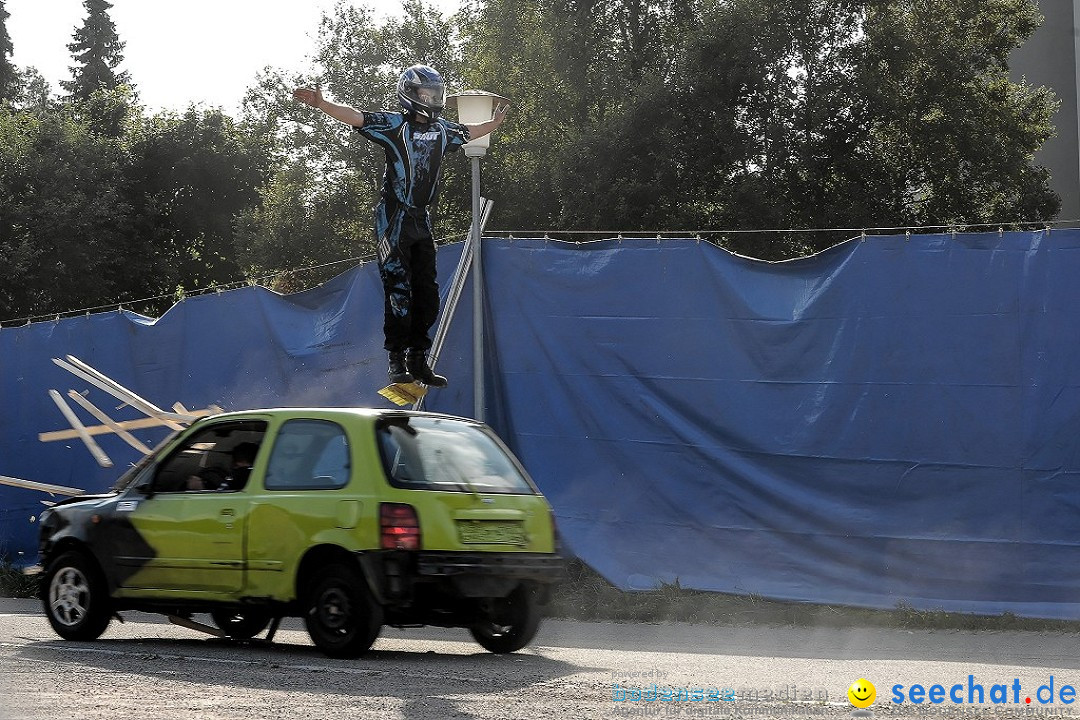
(146, 668)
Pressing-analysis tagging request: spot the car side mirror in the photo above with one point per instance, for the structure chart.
(147, 490)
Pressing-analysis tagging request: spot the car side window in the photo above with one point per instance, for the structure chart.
(309, 455)
(215, 458)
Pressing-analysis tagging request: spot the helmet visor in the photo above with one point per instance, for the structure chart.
(430, 95)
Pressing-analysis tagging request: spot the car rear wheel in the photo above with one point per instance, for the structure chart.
(342, 618)
(241, 624)
(75, 597)
(509, 623)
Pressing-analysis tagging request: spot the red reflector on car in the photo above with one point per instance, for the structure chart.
(400, 526)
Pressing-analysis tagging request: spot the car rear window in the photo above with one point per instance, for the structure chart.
(422, 453)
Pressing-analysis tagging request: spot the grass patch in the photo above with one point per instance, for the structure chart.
(585, 595)
(15, 584)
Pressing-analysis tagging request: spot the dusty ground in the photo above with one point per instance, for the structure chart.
(155, 671)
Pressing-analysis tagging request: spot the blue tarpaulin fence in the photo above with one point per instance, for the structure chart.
(894, 419)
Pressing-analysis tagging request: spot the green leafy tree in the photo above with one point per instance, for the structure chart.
(101, 205)
(301, 223)
(191, 177)
(89, 220)
(772, 118)
(527, 52)
(9, 76)
(66, 236)
(952, 138)
(770, 114)
(33, 92)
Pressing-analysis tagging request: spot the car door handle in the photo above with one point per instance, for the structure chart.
(228, 511)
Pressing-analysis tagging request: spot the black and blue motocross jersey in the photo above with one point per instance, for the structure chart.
(413, 154)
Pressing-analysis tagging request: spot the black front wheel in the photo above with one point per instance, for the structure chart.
(509, 623)
(241, 624)
(342, 618)
(75, 597)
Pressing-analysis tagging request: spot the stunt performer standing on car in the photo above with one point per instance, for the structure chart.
(415, 141)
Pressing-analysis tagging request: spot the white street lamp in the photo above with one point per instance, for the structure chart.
(475, 107)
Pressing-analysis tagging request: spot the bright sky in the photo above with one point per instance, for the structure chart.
(179, 52)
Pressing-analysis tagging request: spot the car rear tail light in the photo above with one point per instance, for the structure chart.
(400, 526)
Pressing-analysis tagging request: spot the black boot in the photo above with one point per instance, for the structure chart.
(398, 371)
(417, 364)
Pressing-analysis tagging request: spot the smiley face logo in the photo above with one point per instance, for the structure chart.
(862, 693)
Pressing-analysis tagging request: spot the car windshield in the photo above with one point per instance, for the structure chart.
(427, 453)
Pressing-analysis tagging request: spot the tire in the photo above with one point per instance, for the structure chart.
(510, 623)
(342, 618)
(75, 597)
(241, 624)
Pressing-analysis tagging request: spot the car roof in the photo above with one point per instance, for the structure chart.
(370, 414)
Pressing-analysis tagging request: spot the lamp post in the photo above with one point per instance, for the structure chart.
(475, 107)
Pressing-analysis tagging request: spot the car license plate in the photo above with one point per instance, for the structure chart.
(503, 532)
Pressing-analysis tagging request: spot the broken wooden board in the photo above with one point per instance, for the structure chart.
(403, 393)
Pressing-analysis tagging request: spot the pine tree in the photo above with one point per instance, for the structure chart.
(9, 77)
(98, 51)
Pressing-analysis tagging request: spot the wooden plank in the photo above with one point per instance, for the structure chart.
(43, 487)
(193, 625)
(103, 418)
(80, 430)
(129, 396)
(80, 369)
(403, 393)
(140, 424)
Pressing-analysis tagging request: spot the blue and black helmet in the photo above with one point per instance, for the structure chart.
(421, 91)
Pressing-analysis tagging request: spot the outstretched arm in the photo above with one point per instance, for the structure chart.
(479, 131)
(344, 113)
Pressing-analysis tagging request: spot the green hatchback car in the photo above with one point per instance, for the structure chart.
(349, 518)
